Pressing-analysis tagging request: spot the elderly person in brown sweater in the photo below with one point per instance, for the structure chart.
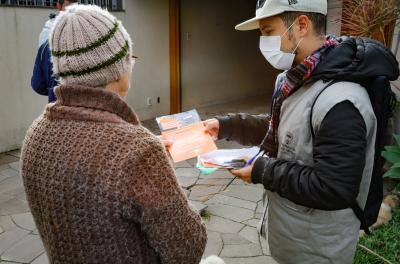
(100, 186)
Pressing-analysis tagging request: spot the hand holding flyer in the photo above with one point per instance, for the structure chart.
(187, 134)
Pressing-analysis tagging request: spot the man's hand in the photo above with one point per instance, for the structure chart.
(212, 127)
(244, 174)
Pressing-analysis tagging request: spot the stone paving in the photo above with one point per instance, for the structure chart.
(230, 214)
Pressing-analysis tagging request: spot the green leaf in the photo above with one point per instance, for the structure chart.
(398, 188)
(397, 138)
(392, 157)
(392, 149)
(393, 173)
(396, 165)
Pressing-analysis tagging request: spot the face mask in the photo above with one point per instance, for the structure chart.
(271, 49)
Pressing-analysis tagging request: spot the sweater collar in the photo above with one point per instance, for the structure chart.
(91, 104)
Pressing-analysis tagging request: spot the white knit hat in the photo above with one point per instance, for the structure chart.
(269, 8)
(89, 46)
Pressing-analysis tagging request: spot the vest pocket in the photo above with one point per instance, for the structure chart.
(288, 219)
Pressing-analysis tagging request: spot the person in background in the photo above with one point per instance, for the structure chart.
(100, 186)
(43, 80)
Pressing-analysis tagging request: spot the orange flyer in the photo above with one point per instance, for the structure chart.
(189, 142)
(188, 135)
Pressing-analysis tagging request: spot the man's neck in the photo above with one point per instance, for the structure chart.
(309, 47)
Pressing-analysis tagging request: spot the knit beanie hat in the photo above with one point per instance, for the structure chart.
(89, 47)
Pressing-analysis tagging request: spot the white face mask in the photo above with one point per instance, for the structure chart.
(271, 49)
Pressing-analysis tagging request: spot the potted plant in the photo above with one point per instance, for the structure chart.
(392, 155)
(374, 19)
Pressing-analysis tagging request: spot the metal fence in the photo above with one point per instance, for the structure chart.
(112, 5)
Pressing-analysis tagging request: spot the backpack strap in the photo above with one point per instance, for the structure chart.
(313, 105)
(356, 208)
(361, 216)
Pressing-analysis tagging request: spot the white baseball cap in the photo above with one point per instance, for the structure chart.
(269, 8)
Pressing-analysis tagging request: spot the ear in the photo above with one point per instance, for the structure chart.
(304, 26)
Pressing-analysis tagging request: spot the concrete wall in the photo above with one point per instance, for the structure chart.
(334, 17)
(147, 21)
(219, 63)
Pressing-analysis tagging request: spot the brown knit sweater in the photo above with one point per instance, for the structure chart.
(101, 187)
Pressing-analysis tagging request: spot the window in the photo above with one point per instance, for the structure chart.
(111, 5)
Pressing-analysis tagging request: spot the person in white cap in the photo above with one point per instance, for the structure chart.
(318, 143)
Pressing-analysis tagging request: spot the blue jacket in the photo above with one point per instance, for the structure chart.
(43, 80)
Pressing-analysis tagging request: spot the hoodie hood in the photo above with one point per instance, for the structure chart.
(357, 59)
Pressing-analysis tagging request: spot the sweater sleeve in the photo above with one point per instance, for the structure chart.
(173, 229)
(339, 158)
(248, 130)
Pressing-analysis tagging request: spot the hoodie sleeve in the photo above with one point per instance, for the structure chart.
(173, 229)
(339, 158)
(38, 80)
(248, 130)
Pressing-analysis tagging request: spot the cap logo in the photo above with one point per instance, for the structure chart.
(293, 2)
(260, 3)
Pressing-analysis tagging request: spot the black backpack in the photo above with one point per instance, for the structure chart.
(383, 102)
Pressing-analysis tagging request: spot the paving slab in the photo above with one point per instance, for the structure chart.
(186, 182)
(12, 186)
(5, 197)
(42, 259)
(14, 165)
(236, 214)
(239, 251)
(24, 221)
(220, 174)
(9, 238)
(251, 234)
(187, 172)
(258, 216)
(219, 224)
(214, 244)
(15, 153)
(212, 181)
(4, 167)
(251, 260)
(246, 192)
(13, 206)
(7, 173)
(192, 162)
(228, 200)
(6, 159)
(182, 164)
(25, 250)
(234, 239)
(200, 207)
(7, 223)
(203, 192)
(252, 222)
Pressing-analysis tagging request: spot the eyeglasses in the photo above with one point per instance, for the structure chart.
(134, 58)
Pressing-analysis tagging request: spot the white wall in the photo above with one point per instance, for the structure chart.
(148, 24)
(147, 21)
(219, 63)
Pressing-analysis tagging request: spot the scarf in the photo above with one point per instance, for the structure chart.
(286, 85)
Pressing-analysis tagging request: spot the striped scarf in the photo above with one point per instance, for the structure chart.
(286, 85)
